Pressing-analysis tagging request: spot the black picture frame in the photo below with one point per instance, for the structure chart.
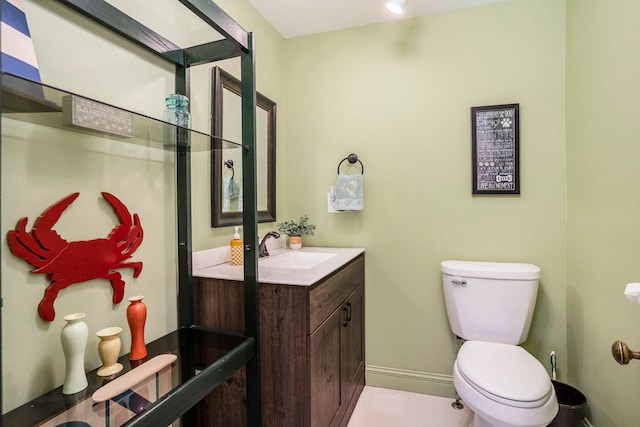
(495, 148)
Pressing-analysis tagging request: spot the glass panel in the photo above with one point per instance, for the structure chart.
(195, 348)
(45, 161)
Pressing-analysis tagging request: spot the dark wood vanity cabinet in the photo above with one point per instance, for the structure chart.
(311, 349)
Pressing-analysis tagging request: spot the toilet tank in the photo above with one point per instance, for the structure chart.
(490, 301)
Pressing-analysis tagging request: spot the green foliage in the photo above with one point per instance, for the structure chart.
(292, 228)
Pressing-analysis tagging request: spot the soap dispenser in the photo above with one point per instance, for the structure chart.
(237, 248)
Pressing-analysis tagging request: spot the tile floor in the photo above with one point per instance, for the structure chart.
(381, 407)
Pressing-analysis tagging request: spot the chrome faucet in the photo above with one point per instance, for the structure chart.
(262, 247)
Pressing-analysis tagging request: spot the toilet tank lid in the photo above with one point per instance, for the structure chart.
(491, 270)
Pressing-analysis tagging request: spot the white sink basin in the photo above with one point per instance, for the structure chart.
(296, 260)
(302, 267)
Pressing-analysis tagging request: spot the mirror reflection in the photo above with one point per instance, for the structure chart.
(226, 165)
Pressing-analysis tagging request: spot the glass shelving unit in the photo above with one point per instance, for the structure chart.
(205, 357)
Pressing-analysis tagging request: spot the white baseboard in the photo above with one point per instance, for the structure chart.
(408, 380)
(587, 423)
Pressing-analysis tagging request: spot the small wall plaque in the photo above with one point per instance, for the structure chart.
(86, 113)
(495, 149)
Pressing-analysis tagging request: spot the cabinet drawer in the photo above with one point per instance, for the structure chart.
(333, 291)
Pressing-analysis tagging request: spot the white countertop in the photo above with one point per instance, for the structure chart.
(282, 275)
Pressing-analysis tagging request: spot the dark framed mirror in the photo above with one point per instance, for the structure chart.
(226, 164)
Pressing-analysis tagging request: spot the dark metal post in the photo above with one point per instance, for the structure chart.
(1, 303)
(250, 223)
(183, 211)
(183, 208)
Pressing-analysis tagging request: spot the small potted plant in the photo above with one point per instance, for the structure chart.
(295, 230)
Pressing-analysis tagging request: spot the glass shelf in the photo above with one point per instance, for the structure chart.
(40, 104)
(205, 358)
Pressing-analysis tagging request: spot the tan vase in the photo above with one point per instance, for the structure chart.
(295, 242)
(109, 350)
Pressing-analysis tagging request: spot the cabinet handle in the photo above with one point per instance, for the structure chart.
(347, 310)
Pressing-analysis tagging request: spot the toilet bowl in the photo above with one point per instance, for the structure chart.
(490, 306)
(504, 386)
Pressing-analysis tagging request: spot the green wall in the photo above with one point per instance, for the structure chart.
(603, 148)
(399, 95)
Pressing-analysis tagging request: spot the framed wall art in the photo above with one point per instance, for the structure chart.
(495, 149)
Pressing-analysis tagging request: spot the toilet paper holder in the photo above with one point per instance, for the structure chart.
(620, 350)
(622, 354)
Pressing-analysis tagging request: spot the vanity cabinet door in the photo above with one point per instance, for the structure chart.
(327, 401)
(337, 363)
(352, 350)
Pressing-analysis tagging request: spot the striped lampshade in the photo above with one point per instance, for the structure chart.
(18, 55)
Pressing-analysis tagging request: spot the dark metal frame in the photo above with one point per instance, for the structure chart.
(221, 79)
(237, 43)
(499, 114)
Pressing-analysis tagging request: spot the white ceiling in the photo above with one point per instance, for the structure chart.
(292, 18)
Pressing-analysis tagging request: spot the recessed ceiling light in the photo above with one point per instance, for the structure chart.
(396, 6)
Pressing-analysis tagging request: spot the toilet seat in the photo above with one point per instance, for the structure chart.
(504, 373)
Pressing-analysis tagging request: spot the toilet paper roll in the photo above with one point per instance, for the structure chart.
(632, 292)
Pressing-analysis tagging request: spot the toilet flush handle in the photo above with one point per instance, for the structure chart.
(459, 281)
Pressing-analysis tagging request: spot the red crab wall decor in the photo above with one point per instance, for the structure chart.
(66, 263)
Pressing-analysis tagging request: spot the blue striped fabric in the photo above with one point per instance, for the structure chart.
(14, 17)
(18, 55)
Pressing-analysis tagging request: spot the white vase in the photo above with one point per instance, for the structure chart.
(74, 341)
(109, 350)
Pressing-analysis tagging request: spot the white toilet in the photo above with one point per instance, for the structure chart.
(490, 306)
